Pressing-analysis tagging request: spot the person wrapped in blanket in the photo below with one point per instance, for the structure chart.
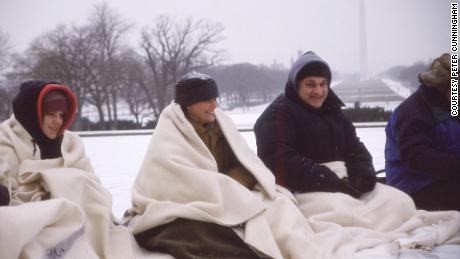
(55, 196)
(43, 110)
(422, 151)
(203, 193)
(304, 128)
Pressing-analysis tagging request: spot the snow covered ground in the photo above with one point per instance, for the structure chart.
(116, 159)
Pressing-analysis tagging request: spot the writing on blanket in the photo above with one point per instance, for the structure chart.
(62, 248)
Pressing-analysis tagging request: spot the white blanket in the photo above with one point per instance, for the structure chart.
(383, 216)
(58, 208)
(179, 179)
(46, 229)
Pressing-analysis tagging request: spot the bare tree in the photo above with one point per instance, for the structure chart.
(171, 49)
(133, 73)
(5, 92)
(246, 84)
(6, 96)
(84, 57)
(5, 50)
(93, 60)
(108, 29)
(64, 55)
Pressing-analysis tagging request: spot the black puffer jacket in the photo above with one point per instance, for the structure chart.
(294, 138)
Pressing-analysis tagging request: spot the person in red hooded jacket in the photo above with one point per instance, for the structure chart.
(42, 111)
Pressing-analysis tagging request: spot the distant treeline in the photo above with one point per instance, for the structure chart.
(366, 114)
(111, 78)
(407, 75)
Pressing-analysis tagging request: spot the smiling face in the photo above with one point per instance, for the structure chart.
(202, 112)
(52, 123)
(313, 90)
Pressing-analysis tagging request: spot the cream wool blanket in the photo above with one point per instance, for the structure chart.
(58, 206)
(179, 179)
(344, 225)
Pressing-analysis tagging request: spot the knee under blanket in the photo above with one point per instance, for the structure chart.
(344, 225)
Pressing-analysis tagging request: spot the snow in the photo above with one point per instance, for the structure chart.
(195, 75)
(386, 105)
(397, 87)
(117, 159)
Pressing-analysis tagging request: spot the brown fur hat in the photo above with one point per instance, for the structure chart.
(438, 74)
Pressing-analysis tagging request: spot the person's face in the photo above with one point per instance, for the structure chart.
(203, 112)
(313, 90)
(52, 123)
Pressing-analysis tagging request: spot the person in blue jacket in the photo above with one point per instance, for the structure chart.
(422, 151)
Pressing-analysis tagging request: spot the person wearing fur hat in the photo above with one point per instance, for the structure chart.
(422, 151)
(201, 192)
(303, 132)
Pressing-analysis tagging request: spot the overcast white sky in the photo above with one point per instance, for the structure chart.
(261, 31)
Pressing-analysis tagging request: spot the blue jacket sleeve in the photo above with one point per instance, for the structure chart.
(414, 136)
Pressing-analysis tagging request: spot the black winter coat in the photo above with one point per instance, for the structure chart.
(293, 138)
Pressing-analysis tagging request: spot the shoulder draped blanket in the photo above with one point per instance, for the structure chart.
(179, 179)
(58, 206)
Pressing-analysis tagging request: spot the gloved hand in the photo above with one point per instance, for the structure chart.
(328, 181)
(365, 183)
(346, 187)
(362, 175)
(322, 176)
(4, 196)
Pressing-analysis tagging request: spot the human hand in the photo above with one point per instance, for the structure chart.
(346, 187)
(363, 183)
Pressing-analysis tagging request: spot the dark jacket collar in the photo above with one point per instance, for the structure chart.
(437, 103)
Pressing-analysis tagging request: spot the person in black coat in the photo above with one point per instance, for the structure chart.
(422, 151)
(304, 128)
